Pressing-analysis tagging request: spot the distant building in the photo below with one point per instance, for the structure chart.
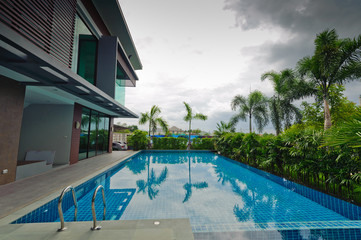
(118, 128)
(64, 66)
(176, 130)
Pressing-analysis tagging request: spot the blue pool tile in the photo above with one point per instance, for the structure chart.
(217, 194)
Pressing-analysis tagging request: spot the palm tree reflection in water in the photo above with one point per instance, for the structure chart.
(254, 204)
(188, 186)
(150, 186)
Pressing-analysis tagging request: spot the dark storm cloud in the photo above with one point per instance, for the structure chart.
(300, 16)
(300, 19)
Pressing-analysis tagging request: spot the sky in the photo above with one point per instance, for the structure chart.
(205, 52)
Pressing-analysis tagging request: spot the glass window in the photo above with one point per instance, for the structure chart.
(93, 134)
(120, 85)
(84, 134)
(106, 128)
(101, 135)
(84, 51)
(87, 57)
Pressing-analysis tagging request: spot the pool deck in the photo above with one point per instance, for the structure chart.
(20, 197)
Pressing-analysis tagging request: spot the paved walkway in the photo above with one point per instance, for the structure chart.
(167, 229)
(18, 194)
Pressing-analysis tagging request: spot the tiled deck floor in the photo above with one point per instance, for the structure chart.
(18, 194)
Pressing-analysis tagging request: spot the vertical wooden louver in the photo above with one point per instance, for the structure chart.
(49, 24)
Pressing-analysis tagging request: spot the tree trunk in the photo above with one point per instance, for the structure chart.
(150, 143)
(250, 122)
(189, 135)
(327, 114)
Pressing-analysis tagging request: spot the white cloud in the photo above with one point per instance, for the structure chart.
(206, 52)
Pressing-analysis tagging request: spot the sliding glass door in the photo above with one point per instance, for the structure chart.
(94, 136)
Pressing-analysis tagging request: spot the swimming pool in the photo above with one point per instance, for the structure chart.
(217, 195)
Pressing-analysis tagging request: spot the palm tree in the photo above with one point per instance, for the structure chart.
(189, 117)
(334, 61)
(153, 118)
(348, 133)
(287, 88)
(253, 106)
(223, 127)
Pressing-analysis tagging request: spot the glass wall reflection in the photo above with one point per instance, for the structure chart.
(84, 133)
(94, 136)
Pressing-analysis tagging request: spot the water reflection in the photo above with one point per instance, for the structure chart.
(188, 186)
(137, 165)
(210, 190)
(150, 185)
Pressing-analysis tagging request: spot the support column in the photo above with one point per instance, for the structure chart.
(107, 64)
(12, 96)
(75, 136)
(111, 130)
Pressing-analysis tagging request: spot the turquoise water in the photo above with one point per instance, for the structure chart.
(214, 192)
(210, 190)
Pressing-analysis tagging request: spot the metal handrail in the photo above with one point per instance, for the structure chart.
(61, 216)
(95, 227)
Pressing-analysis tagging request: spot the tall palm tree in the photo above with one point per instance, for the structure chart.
(254, 106)
(153, 118)
(286, 89)
(189, 117)
(334, 61)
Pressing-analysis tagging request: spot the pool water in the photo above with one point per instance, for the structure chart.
(217, 195)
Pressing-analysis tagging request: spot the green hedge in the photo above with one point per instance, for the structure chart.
(203, 144)
(138, 140)
(168, 143)
(297, 155)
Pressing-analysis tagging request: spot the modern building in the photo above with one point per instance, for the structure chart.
(64, 66)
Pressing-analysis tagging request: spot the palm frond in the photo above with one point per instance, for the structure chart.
(154, 111)
(144, 117)
(238, 101)
(188, 116)
(349, 133)
(163, 124)
(200, 116)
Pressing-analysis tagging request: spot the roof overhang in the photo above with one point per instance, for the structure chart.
(32, 66)
(112, 16)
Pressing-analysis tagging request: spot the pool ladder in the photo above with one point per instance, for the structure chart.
(61, 215)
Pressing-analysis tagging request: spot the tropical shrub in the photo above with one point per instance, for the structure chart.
(168, 143)
(203, 144)
(138, 140)
(298, 155)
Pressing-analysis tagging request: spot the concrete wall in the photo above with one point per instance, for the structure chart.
(11, 109)
(121, 137)
(47, 127)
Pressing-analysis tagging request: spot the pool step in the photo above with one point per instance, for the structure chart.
(158, 229)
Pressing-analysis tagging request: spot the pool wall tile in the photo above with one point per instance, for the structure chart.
(342, 207)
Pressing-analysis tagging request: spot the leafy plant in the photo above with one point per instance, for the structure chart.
(203, 144)
(138, 140)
